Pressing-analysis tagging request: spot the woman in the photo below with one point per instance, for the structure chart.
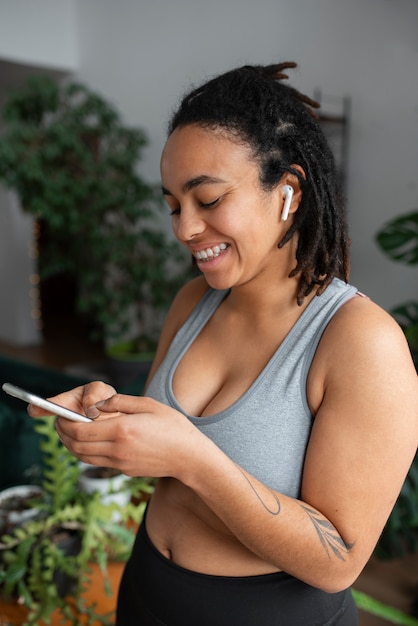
(280, 413)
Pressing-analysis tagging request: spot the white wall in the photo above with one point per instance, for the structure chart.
(40, 32)
(143, 55)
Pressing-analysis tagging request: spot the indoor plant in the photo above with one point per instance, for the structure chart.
(398, 239)
(109, 482)
(73, 164)
(389, 613)
(33, 555)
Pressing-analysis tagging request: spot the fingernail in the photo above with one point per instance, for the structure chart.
(93, 412)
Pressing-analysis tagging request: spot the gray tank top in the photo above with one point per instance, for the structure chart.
(266, 430)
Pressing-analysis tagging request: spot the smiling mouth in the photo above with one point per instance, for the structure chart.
(210, 253)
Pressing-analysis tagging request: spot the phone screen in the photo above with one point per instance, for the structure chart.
(50, 407)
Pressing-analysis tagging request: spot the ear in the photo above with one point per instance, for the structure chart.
(290, 193)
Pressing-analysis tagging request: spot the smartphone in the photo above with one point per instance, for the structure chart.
(51, 407)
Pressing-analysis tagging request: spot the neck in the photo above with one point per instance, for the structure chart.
(261, 299)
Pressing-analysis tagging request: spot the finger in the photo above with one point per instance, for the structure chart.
(96, 391)
(96, 450)
(35, 411)
(122, 403)
(85, 396)
(89, 449)
(93, 413)
(78, 399)
(100, 461)
(99, 430)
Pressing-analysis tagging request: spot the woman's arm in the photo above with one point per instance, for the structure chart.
(363, 441)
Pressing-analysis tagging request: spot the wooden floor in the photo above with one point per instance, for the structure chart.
(65, 348)
(14, 614)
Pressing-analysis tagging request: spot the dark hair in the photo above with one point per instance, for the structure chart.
(279, 125)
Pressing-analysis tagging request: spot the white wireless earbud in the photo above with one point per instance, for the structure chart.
(288, 193)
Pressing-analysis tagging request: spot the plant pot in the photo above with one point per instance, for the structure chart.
(126, 367)
(111, 484)
(69, 542)
(16, 506)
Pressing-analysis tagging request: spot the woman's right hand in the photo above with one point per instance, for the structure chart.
(80, 399)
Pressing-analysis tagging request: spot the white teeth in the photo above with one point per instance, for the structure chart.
(210, 253)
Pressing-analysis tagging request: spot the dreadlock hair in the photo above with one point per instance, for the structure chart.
(278, 124)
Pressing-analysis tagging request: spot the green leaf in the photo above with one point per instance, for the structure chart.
(15, 572)
(379, 609)
(406, 314)
(411, 334)
(399, 239)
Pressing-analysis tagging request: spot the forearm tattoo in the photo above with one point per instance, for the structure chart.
(328, 535)
(260, 499)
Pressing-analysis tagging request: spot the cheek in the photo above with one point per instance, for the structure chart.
(253, 220)
(257, 226)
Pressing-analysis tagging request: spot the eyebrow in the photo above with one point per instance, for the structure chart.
(196, 182)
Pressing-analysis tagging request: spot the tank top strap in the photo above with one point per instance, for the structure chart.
(200, 315)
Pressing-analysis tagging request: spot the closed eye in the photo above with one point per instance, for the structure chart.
(208, 205)
(203, 205)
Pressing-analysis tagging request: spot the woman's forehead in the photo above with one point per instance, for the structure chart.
(193, 146)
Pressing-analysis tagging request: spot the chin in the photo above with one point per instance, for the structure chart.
(217, 282)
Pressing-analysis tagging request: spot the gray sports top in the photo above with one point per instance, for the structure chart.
(267, 429)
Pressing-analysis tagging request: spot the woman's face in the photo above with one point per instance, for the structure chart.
(219, 210)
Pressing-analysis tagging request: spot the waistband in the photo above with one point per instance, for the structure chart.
(156, 591)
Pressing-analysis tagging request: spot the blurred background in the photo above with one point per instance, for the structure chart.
(360, 58)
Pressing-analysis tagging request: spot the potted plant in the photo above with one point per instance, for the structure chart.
(70, 530)
(73, 164)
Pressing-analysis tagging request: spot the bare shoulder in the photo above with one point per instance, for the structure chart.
(183, 304)
(186, 300)
(364, 348)
(362, 326)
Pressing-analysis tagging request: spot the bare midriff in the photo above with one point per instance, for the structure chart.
(179, 523)
(187, 532)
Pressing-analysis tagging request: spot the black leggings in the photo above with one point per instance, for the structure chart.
(154, 591)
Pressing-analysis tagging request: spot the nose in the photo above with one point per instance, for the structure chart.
(188, 225)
